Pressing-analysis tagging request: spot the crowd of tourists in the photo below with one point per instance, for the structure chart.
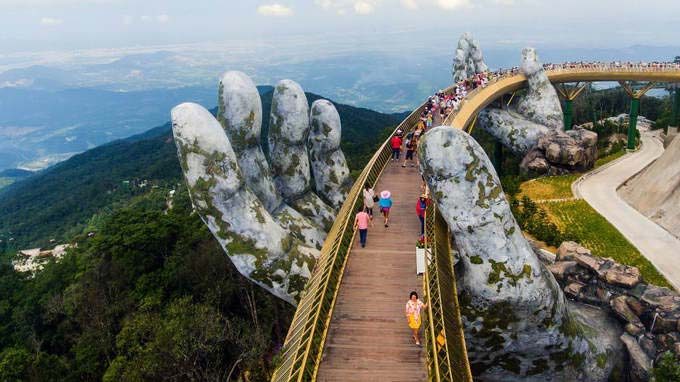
(443, 103)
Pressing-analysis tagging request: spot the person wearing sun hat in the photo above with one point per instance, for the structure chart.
(385, 204)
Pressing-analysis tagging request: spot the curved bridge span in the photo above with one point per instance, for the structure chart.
(481, 97)
(349, 322)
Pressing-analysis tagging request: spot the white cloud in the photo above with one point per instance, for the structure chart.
(128, 20)
(409, 4)
(276, 10)
(145, 19)
(453, 4)
(163, 18)
(325, 4)
(51, 21)
(363, 7)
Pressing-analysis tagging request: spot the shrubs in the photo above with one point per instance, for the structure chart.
(534, 220)
(668, 368)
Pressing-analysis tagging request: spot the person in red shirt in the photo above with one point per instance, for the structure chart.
(395, 143)
(421, 206)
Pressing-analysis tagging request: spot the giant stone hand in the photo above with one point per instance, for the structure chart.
(517, 325)
(269, 219)
(533, 126)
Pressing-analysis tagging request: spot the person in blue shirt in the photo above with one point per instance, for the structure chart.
(385, 204)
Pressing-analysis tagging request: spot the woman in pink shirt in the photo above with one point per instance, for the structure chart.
(361, 220)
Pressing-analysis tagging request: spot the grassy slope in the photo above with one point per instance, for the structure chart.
(580, 220)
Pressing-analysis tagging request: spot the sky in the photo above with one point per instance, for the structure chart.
(38, 25)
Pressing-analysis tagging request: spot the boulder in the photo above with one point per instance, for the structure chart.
(562, 269)
(666, 322)
(567, 250)
(635, 305)
(574, 289)
(640, 363)
(590, 262)
(662, 298)
(620, 307)
(634, 330)
(624, 276)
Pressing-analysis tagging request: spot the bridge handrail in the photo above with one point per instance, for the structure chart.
(301, 354)
(551, 69)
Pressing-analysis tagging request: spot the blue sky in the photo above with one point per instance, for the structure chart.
(85, 24)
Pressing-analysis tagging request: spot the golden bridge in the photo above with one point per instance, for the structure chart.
(350, 324)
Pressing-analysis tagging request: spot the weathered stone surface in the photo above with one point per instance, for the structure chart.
(641, 364)
(589, 262)
(662, 298)
(647, 345)
(573, 290)
(540, 104)
(624, 312)
(509, 302)
(288, 133)
(533, 128)
(329, 167)
(666, 323)
(259, 248)
(634, 330)
(568, 249)
(512, 129)
(468, 58)
(240, 113)
(623, 276)
(562, 269)
(635, 305)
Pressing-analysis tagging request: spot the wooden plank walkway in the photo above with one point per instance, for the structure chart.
(369, 339)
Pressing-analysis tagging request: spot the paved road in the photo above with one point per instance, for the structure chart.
(598, 188)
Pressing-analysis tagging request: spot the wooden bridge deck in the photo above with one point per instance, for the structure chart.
(369, 339)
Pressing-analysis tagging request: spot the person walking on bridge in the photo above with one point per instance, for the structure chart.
(421, 206)
(413, 308)
(395, 143)
(369, 200)
(385, 204)
(361, 220)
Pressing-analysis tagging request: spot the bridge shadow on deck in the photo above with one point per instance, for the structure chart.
(369, 339)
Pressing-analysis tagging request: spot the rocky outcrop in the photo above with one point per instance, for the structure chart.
(558, 152)
(650, 314)
(269, 222)
(655, 191)
(515, 316)
(468, 58)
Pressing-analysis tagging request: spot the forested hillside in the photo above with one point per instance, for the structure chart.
(72, 196)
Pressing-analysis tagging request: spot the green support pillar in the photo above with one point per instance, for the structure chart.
(568, 114)
(675, 121)
(632, 122)
(498, 158)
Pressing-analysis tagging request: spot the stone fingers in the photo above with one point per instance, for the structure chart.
(257, 245)
(288, 133)
(329, 166)
(240, 113)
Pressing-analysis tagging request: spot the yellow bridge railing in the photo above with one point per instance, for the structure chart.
(444, 340)
(303, 348)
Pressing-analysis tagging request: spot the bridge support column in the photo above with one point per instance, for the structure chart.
(635, 96)
(675, 120)
(632, 122)
(568, 114)
(569, 94)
